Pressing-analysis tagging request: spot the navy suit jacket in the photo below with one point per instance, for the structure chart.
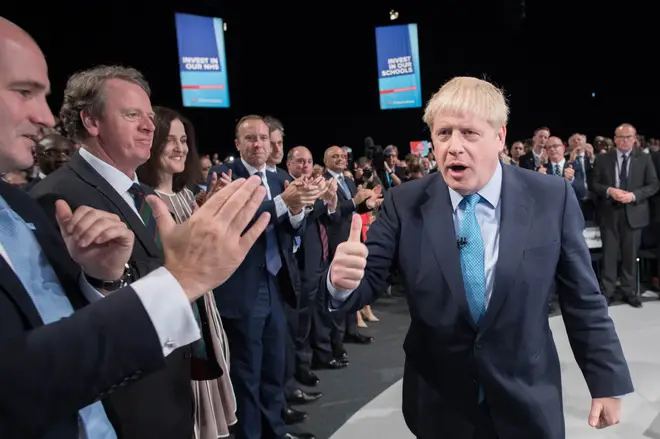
(578, 182)
(48, 373)
(236, 297)
(511, 353)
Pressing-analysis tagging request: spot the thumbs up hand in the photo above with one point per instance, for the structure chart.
(347, 269)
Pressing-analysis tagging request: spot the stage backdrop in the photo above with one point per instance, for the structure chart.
(202, 63)
(399, 81)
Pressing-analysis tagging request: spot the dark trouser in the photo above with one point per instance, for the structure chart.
(619, 239)
(315, 325)
(343, 324)
(293, 321)
(257, 345)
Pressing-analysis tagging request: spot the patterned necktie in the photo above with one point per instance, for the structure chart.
(472, 263)
(273, 258)
(145, 212)
(472, 259)
(557, 172)
(324, 241)
(44, 288)
(623, 174)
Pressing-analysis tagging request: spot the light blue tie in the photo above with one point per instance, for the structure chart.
(44, 288)
(472, 263)
(344, 186)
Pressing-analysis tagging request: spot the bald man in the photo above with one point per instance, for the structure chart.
(69, 338)
(623, 180)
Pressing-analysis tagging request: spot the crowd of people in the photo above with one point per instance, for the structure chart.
(210, 291)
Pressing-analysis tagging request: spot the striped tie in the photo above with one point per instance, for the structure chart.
(145, 212)
(324, 241)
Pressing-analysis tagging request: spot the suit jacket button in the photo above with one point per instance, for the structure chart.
(187, 355)
(479, 345)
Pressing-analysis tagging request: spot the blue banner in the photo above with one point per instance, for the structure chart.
(202, 63)
(399, 81)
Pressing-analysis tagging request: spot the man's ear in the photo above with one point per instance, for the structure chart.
(90, 123)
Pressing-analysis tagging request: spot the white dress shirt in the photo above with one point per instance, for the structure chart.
(280, 207)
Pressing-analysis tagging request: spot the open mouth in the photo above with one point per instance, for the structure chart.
(457, 170)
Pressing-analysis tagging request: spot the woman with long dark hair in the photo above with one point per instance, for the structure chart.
(172, 168)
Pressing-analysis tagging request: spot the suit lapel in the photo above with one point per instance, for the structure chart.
(93, 178)
(438, 224)
(516, 209)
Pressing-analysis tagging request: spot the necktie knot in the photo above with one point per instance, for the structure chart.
(470, 201)
(136, 191)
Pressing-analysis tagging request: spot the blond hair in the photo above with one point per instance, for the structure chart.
(465, 94)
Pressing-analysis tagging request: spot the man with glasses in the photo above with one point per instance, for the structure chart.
(623, 180)
(559, 165)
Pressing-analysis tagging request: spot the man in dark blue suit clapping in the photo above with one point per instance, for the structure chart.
(251, 302)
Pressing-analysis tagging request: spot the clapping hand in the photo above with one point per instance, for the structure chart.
(98, 241)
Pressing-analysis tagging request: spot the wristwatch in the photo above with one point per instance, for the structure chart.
(110, 285)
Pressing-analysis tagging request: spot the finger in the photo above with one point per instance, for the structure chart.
(286, 184)
(254, 232)
(594, 414)
(214, 181)
(96, 229)
(77, 216)
(164, 221)
(229, 175)
(252, 192)
(213, 207)
(119, 233)
(355, 259)
(246, 214)
(85, 221)
(356, 228)
(63, 214)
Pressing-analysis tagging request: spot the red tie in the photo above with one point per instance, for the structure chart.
(324, 241)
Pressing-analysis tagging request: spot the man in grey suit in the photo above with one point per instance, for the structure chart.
(623, 181)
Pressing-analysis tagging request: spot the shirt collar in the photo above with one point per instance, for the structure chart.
(251, 169)
(117, 179)
(335, 174)
(490, 192)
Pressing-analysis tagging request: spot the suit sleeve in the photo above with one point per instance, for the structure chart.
(597, 175)
(590, 330)
(383, 246)
(651, 183)
(53, 371)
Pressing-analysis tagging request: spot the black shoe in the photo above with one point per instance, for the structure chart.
(299, 436)
(341, 354)
(633, 301)
(293, 416)
(307, 378)
(301, 397)
(332, 364)
(358, 338)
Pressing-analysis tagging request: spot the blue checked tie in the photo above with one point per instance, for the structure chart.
(42, 285)
(344, 187)
(273, 258)
(472, 263)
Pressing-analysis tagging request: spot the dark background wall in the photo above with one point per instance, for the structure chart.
(313, 64)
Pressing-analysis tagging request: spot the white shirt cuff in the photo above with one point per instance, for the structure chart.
(169, 309)
(337, 297)
(280, 206)
(90, 293)
(296, 220)
(166, 304)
